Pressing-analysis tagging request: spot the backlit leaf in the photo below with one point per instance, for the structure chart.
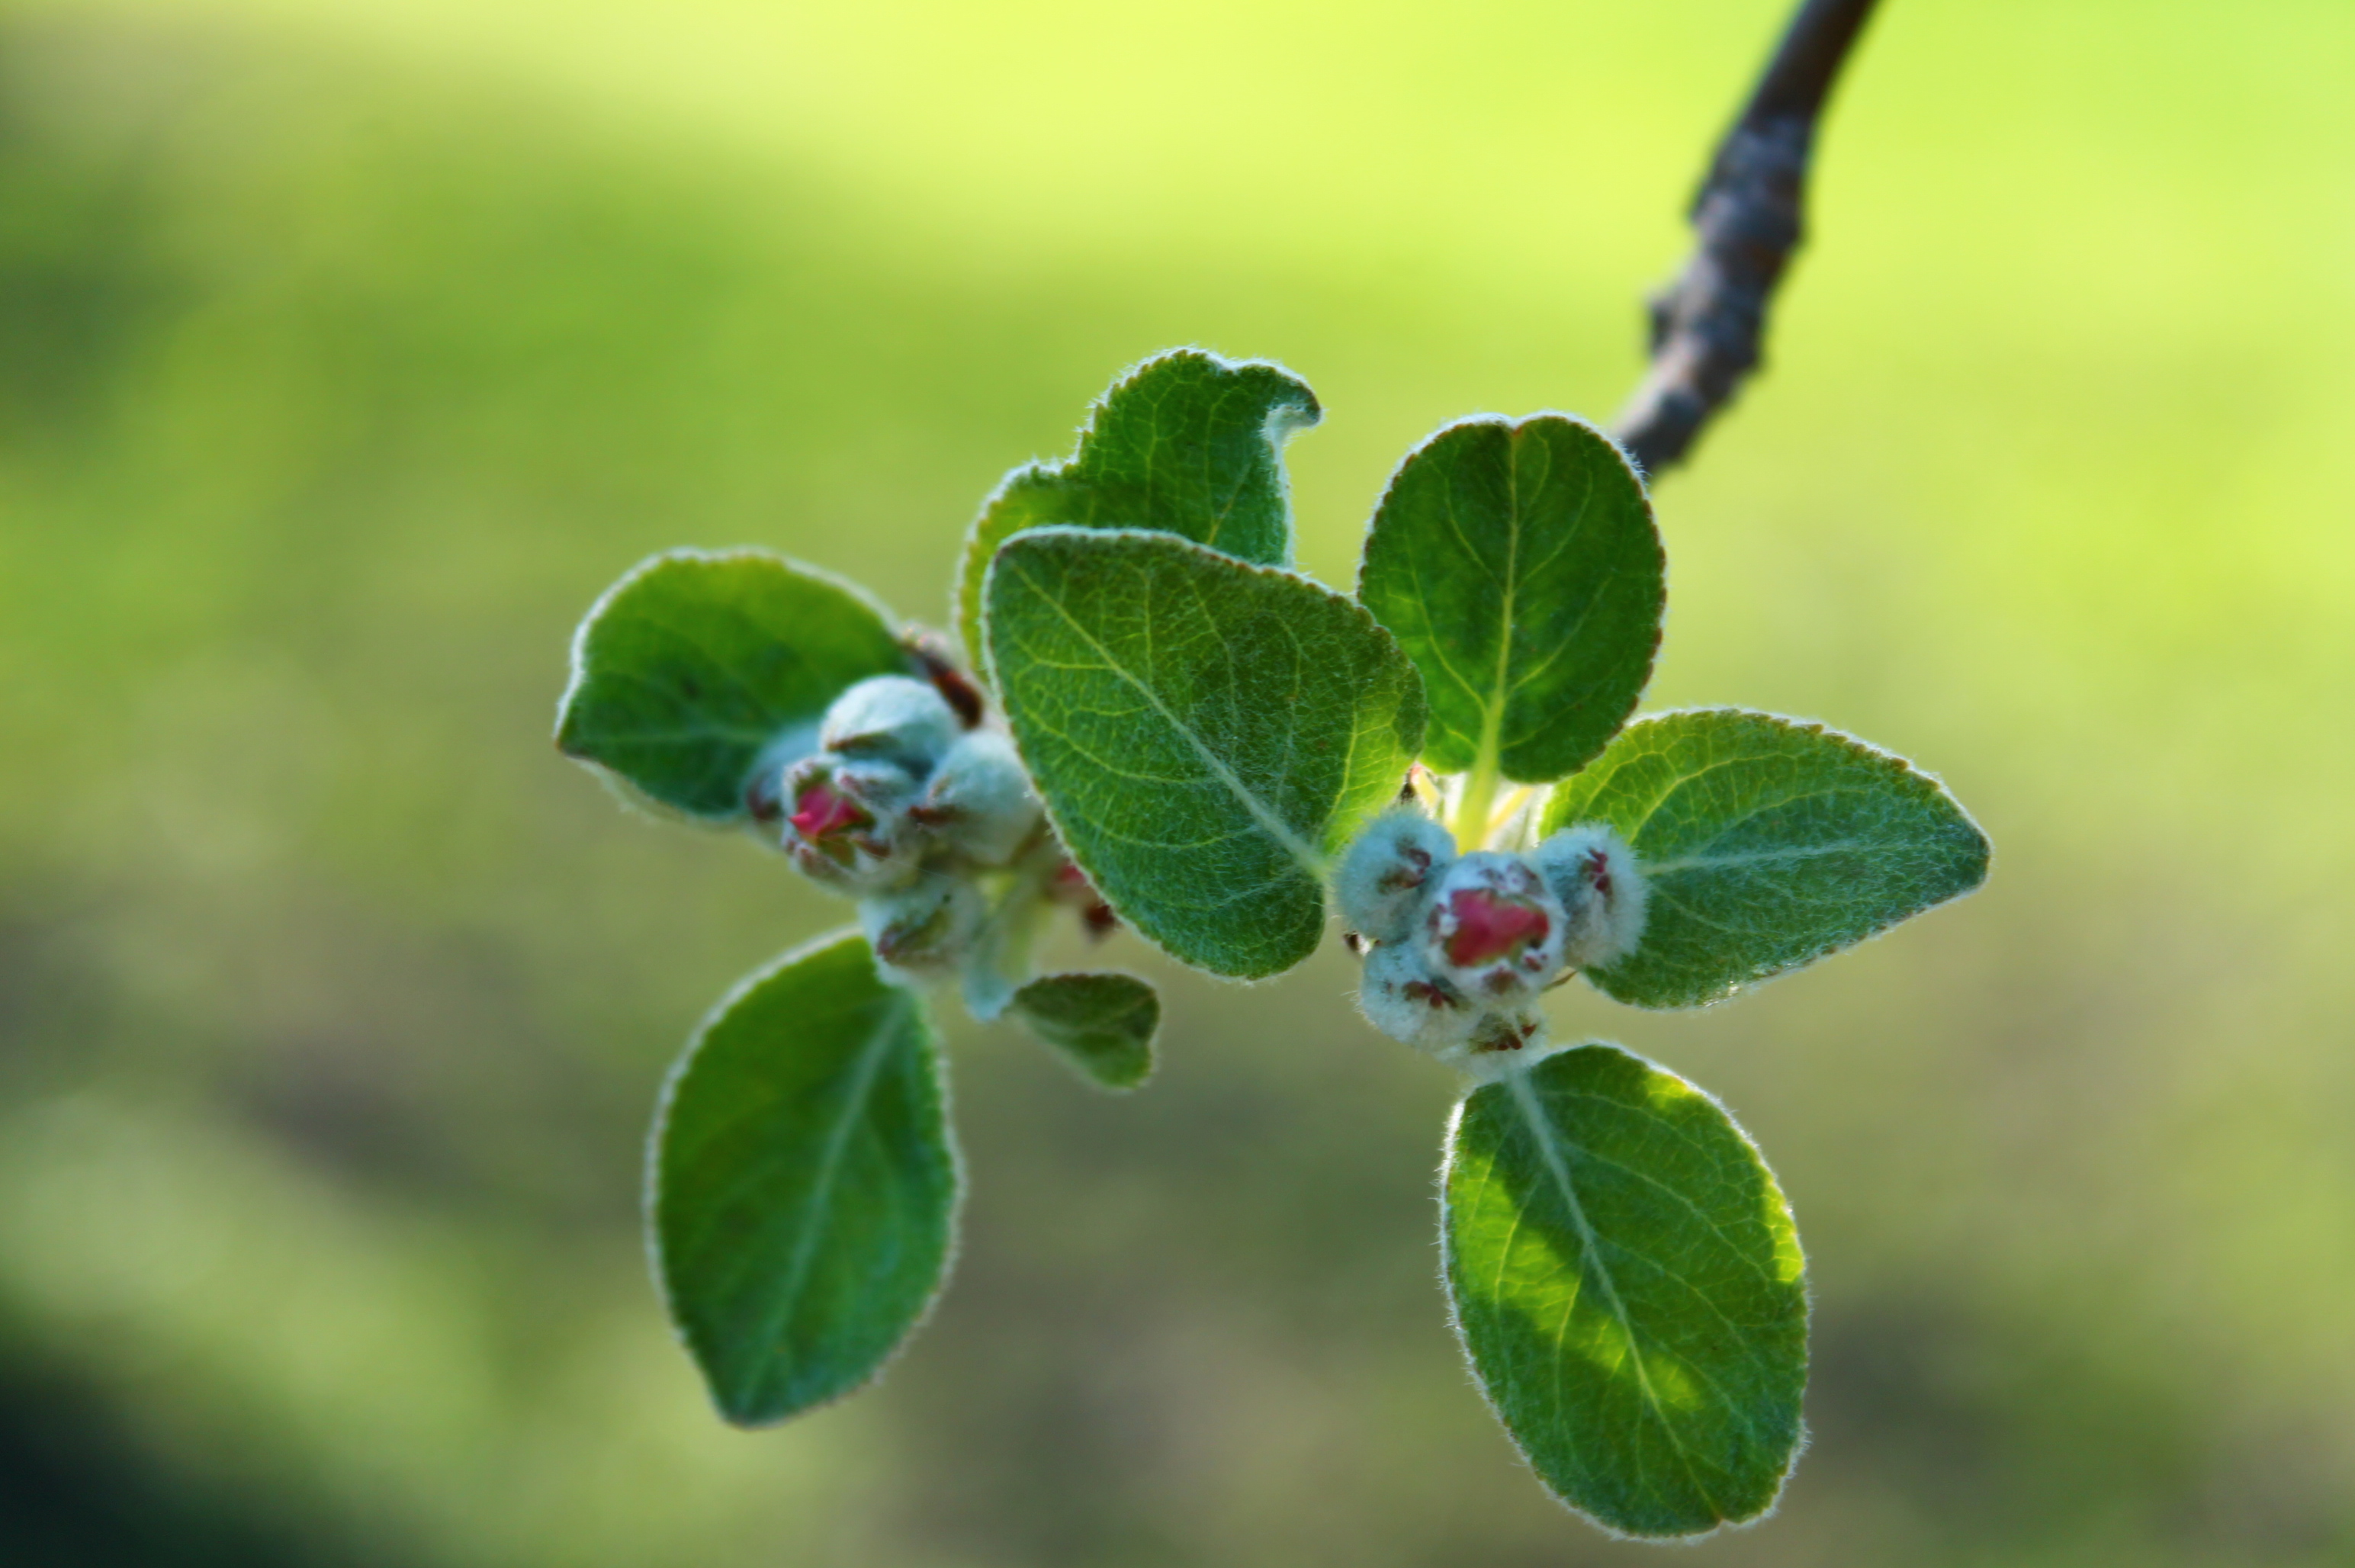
(1628, 1284)
(1187, 443)
(1767, 844)
(1519, 566)
(698, 669)
(1102, 1024)
(1207, 734)
(805, 1183)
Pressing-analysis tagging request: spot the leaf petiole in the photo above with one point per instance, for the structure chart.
(1483, 819)
(1476, 802)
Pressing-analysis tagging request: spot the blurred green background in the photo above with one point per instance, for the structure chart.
(348, 348)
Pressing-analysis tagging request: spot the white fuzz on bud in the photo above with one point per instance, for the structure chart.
(1388, 873)
(1592, 872)
(1500, 1034)
(891, 718)
(1402, 998)
(922, 931)
(978, 802)
(900, 786)
(1492, 929)
(1464, 945)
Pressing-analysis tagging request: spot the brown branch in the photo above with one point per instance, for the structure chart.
(1707, 325)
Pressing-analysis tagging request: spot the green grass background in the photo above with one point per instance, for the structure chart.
(348, 348)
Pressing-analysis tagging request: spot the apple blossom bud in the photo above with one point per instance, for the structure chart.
(891, 718)
(1513, 1029)
(846, 821)
(1387, 871)
(936, 658)
(1492, 929)
(1402, 998)
(978, 802)
(1070, 885)
(923, 930)
(1593, 873)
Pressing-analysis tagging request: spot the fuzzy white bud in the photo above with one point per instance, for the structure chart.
(1593, 873)
(1388, 872)
(891, 718)
(1400, 996)
(922, 931)
(978, 802)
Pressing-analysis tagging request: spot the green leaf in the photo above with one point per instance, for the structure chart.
(1207, 734)
(1519, 566)
(805, 1184)
(1767, 844)
(1185, 443)
(1628, 1284)
(1102, 1024)
(698, 669)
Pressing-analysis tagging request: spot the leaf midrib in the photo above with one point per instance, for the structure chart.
(864, 1071)
(1488, 756)
(1590, 1252)
(1276, 827)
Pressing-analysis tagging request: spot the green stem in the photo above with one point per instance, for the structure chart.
(1476, 803)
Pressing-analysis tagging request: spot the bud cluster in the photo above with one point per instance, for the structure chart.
(903, 804)
(1458, 948)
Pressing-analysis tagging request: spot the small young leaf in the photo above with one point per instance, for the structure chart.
(1186, 443)
(1519, 567)
(803, 1183)
(1102, 1024)
(1206, 734)
(1627, 1283)
(692, 668)
(1767, 844)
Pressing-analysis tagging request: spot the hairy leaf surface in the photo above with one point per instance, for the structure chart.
(1207, 734)
(1518, 565)
(692, 668)
(805, 1183)
(1186, 443)
(1102, 1024)
(1628, 1284)
(1767, 844)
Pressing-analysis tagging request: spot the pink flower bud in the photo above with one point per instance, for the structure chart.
(849, 826)
(1488, 928)
(1493, 930)
(1401, 996)
(821, 813)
